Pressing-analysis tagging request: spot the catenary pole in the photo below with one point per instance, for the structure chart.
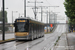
(24, 8)
(3, 22)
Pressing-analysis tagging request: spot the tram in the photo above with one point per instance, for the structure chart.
(28, 29)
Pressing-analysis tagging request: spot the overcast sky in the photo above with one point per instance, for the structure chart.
(18, 5)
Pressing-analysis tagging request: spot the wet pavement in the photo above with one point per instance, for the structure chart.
(71, 40)
(43, 43)
(7, 36)
(62, 43)
(66, 41)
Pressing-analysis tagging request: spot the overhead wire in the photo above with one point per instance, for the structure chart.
(48, 2)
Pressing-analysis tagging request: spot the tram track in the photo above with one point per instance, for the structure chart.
(18, 43)
(33, 41)
(39, 43)
(33, 45)
(23, 42)
(48, 45)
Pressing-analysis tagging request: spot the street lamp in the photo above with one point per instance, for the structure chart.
(12, 15)
(3, 20)
(20, 14)
(3, 8)
(24, 8)
(12, 18)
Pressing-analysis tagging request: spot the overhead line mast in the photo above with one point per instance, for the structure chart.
(34, 6)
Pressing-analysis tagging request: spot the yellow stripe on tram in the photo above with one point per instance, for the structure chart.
(21, 33)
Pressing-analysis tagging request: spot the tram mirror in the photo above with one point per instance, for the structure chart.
(14, 24)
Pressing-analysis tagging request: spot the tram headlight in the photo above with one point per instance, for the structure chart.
(27, 33)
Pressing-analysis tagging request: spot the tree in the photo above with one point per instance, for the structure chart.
(1, 19)
(70, 10)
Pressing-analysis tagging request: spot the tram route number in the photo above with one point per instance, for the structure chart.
(21, 20)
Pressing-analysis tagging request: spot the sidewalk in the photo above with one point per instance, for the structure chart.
(71, 40)
(62, 43)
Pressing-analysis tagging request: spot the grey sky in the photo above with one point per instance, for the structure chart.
(18, 5)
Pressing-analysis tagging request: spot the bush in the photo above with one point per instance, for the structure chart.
(6, 28)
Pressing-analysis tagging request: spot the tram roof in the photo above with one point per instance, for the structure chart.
(31, 19)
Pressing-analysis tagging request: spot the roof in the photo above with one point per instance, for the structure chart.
(35, 20)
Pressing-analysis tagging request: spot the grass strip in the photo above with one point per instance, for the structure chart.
(7, 40)
(47, 32)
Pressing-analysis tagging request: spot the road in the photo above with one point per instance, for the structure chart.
(44, 43)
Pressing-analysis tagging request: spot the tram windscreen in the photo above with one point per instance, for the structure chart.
(21, 27)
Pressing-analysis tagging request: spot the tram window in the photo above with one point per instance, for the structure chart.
(22, 27)
(30, 28)
(26, 27)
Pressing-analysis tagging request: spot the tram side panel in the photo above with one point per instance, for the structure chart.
(40, 30)
(31, 30)
(34, 30)
(43, 30)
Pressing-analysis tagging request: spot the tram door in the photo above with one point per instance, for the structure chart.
(31, 30)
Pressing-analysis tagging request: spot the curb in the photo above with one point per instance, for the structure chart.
(8, 40)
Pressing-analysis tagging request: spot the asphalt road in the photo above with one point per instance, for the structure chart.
(44, 43)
